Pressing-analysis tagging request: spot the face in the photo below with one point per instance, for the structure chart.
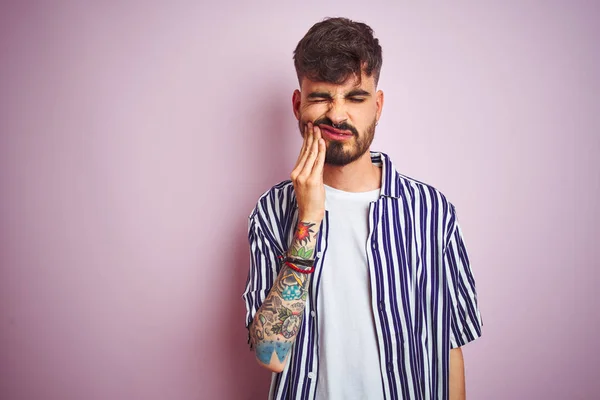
(346, 113)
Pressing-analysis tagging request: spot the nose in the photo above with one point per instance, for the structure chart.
(337, 112)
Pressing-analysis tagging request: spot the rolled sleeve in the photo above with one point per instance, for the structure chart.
(465, 317)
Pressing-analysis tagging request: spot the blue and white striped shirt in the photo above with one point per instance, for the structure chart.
(422, 289)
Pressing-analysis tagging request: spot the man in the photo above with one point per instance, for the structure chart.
(359, 286)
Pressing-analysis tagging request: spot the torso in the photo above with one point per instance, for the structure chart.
(349, 365)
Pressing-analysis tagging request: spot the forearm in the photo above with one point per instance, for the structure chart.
(275, 326)
(457, 375)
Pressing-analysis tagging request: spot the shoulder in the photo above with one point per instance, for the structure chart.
(405, 187)
(273, 214)
(420, 198)
(429, 204)
(432, 195)
(275, 202)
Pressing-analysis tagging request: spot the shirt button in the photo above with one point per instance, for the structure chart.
(319, 254)
(311, 375)
(380, 306)
(312, 314)
(389, 367)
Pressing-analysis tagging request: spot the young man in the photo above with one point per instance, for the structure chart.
(359, 285)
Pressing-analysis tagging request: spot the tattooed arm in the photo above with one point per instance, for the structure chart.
(275, 325)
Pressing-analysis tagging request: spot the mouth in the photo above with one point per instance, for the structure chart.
(335, 134)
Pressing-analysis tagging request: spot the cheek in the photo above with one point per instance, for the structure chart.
(365, 116)
(312, 112)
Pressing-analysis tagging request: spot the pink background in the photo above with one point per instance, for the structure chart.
(135, 139)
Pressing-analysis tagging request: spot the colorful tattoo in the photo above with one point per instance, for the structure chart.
(288, 324)
(278, 322)
(303, 232)
(292, 293)
(291, 284)
(264, 350)
(301, 252)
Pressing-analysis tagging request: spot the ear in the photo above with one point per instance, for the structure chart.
(296, 100)
(379, 102)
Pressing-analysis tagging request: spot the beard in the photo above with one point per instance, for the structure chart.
(340, 153)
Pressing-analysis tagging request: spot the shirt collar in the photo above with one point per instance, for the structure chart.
(389, 175)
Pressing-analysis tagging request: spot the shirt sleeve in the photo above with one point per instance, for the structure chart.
(465, 318)
(263, 270)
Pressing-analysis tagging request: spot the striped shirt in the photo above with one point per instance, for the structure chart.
(422, 289)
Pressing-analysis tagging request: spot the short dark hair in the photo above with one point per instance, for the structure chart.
(336, 48)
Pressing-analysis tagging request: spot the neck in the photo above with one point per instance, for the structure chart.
(358, 176)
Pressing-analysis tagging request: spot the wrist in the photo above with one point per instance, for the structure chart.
(302, 262)
(314, 218)
(300, 268)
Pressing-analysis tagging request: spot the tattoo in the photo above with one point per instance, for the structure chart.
(278, 321)
(291, 285)
(301, 252)
(256, 333)
(289, 322)
(264, 350)
(303, 232)
(271, 307)
(292, 293)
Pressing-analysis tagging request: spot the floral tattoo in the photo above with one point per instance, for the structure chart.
(303, 232)
(288, 323)
(280, 317)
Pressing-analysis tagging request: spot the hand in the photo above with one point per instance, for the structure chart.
(307, 176)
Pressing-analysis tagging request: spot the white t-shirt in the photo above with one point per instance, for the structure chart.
(349, 365)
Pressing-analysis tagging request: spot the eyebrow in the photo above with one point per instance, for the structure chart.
(358, 92)
(325, 95)
(319, 95)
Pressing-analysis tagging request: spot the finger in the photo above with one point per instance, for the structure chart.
(307, 146)
(309, 142)
(310, 161)
(303, 148)
(320, 162)
(317, 131)
(317, 136)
